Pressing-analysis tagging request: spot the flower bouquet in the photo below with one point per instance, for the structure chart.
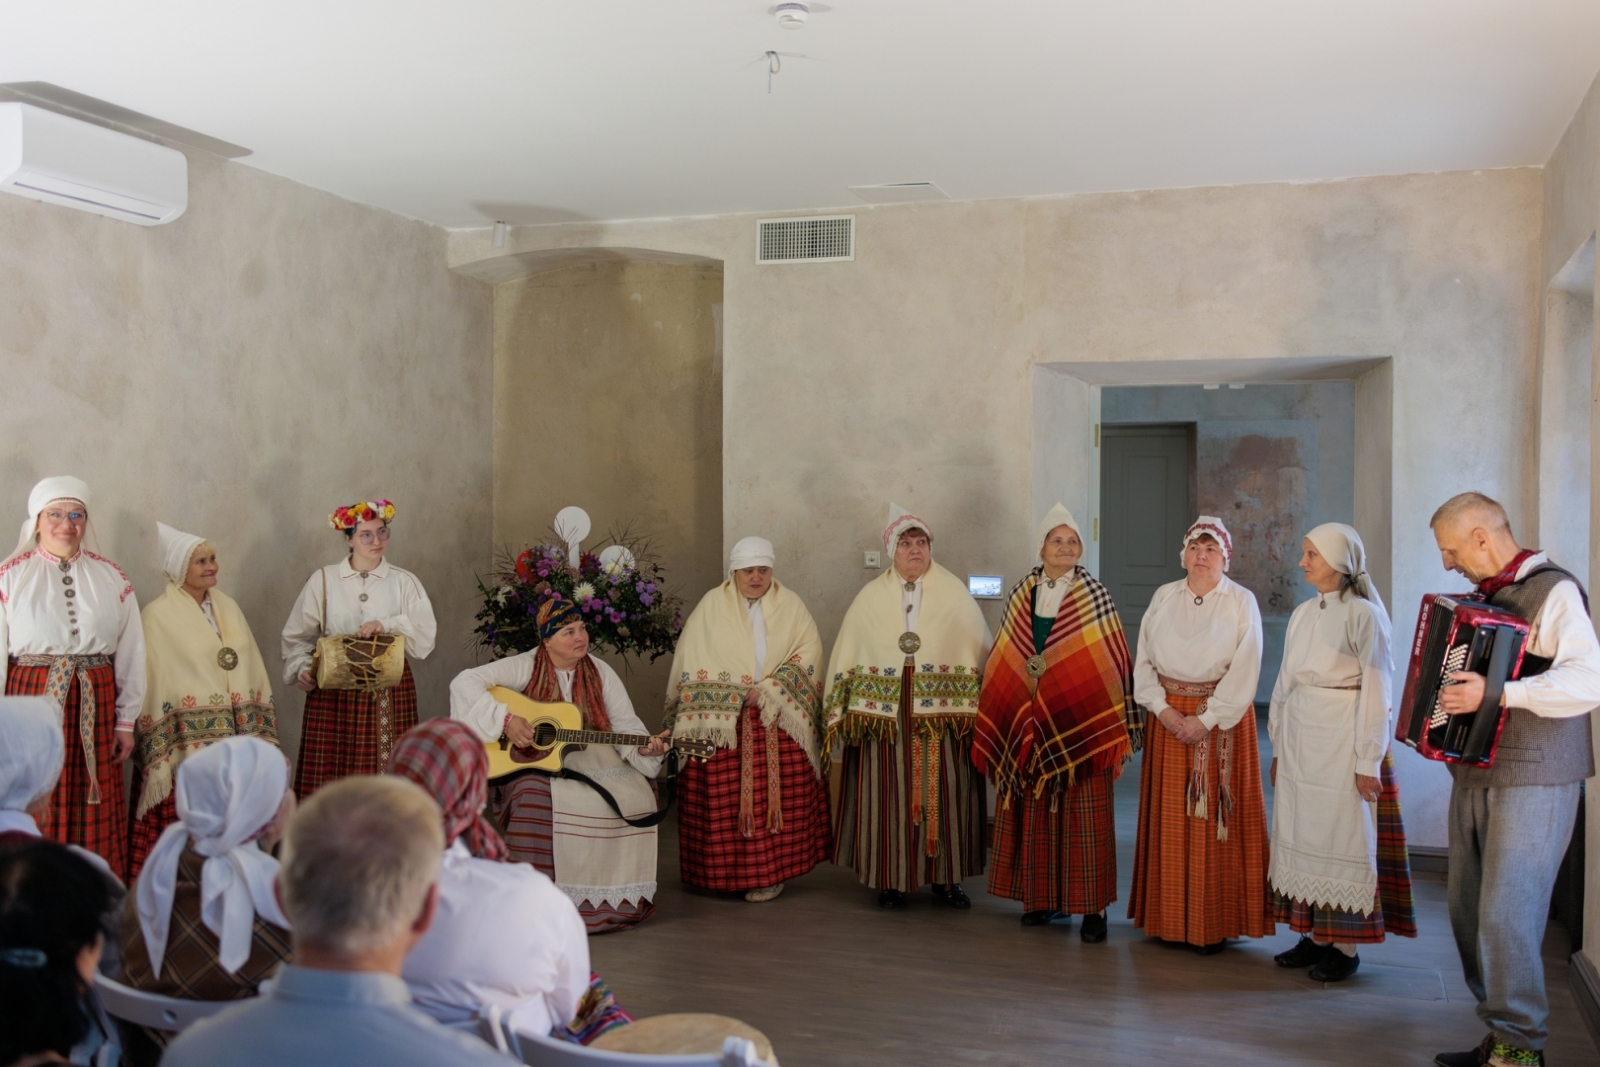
(620, 592)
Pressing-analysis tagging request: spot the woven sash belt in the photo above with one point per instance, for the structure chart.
(1196, 796)
(56, 686)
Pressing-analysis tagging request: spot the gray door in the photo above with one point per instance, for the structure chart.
(1146, 500)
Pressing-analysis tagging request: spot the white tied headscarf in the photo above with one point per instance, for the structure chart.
(1218, 531)
(751, 552)
(1341, 546)
(176, 548)
(61, 487)
(31, 750)
(227, 794)
(1057, 516)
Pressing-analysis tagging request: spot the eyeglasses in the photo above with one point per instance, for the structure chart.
(74, 517)
(368, 537)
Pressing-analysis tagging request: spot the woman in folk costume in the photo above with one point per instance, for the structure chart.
(536, 968)
(203, 923)
(70, 625)
(204, 681)
(745, 676)
(348, 731)
(1340, 872)
(1200, 862)
(1053, 734)
(902, 697)
(560, 825)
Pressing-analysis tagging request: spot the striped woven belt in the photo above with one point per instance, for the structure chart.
(1188, 689)
(58, 683)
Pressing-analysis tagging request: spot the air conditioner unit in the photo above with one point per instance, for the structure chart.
(61, 160)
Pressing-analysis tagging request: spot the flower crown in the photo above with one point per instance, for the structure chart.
(349, 518)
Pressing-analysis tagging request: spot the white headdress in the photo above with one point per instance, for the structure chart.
(175, 548)
(227, 794)
(1212, 526)
(901, 520)
(1056, 516)
(751, 552)
(31, 750)
(60, 487)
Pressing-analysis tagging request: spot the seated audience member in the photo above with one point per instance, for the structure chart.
(202, 923)
(31, 751)
(503, 933)
(359, 885)
(52, 901)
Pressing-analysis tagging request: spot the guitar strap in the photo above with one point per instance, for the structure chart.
(669, 789)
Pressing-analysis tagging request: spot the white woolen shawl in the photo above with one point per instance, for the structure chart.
(226, 795)
(31, 750)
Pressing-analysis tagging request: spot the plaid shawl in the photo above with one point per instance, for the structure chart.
(447, 760)
(1077, 713)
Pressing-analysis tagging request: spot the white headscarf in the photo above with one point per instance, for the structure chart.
(175, 549)
(227, 793)
(1341, 546)
(1212, 526)
(61, 487)
(901, 520)
(751, 552)
(1057, 516)
(31, 750)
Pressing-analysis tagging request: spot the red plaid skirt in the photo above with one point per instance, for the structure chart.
(1396, 913)
(525, 817)
(1058, 851)
(101, 828)
(144, 833)
(713, 854)
(346, 732)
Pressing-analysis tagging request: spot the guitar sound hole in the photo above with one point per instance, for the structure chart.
(544, 735)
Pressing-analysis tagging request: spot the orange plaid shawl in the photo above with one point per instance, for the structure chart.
(1030, 732)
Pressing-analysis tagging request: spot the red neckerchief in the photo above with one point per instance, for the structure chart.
(1490, 586)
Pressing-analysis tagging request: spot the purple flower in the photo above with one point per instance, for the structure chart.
(646, 599)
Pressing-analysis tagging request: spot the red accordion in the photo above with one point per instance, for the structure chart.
(1457, 634)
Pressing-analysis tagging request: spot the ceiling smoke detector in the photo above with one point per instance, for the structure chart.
(792, 16)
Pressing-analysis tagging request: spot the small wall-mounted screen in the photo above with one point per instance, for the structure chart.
(985, 585)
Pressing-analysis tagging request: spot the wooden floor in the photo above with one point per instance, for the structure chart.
(834, 981)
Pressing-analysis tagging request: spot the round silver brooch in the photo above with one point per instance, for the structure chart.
(227, 659)
(909, 643)
(1035, 666)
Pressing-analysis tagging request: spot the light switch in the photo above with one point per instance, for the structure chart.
(872, 561)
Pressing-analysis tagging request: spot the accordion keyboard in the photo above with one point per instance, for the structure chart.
(1452, 662)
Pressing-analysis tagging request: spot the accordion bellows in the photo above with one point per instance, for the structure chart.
(1458, 634)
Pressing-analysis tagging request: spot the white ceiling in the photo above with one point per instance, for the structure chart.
(464, 111)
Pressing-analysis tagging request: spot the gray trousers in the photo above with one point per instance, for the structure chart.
(1506, 845)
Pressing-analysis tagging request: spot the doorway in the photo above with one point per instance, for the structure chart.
(1147, 494)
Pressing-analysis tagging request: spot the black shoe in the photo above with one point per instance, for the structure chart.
(1040, 918)
(1210, 950)
(1307, 953)
(952, 895)
(1093, 930)
(1335, 966)
(891, 898)
(1471, 1058)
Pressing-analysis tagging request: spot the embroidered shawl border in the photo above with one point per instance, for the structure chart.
(182, 731)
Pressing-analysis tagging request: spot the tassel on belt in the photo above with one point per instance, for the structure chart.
(58, 683)
(1197, 795)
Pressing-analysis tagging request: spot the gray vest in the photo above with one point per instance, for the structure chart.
(1534, 750)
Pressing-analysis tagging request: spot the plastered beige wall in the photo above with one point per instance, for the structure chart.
(238, 373)
(608, 395)
(1571, 216)
(907, 374)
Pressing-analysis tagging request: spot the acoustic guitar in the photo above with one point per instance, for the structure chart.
(558, 727)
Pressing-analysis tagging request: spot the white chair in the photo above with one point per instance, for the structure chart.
(537, 1050)
(152, 1009)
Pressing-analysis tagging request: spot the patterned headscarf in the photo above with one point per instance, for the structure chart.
(1210, 526)
(901, 520)
(554, 614)
(447, 760)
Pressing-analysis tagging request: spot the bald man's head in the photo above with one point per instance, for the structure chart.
(1474, 536)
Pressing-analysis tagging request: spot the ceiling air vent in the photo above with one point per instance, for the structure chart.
(812, 240)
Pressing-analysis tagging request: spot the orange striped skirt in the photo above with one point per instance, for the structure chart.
(1194, 880)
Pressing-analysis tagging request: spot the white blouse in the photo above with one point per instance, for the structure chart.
(1336, 642)
(1218, 640)
(758, 630)
(471, 703)
(503, 934)
(1047, 600)
(80, 607)
(384, 594)
(910, 603)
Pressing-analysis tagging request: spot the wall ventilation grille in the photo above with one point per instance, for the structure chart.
(812, 240)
